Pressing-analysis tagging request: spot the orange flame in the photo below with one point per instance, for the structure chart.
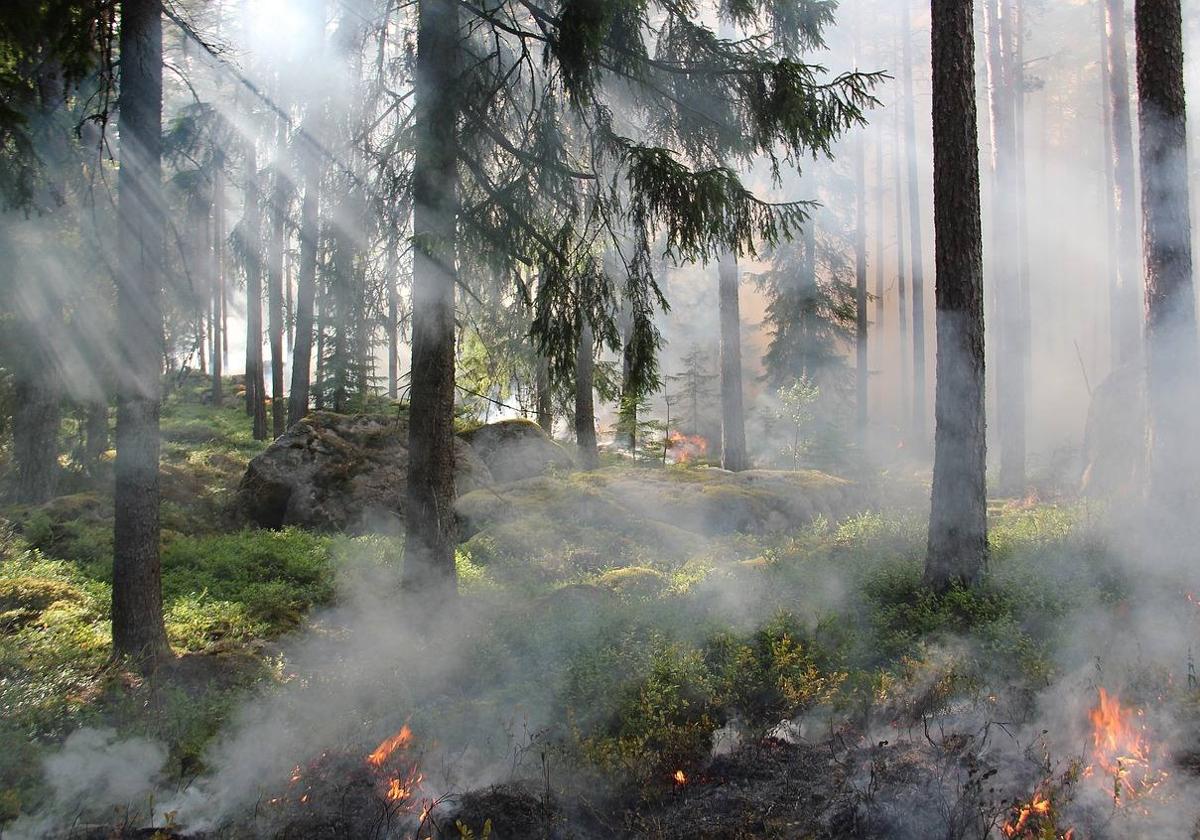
(1121, 750)
(686, 448)
(385, 750)
(401, 790)
(1039, 806)
(680, 777)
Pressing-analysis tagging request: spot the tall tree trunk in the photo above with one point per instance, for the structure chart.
(429, 573)
(1010, 387)
(880, 269)
(276, 239)
(216, 319)
(1172, 358)
(917, 246)
(1125, 322)
(252, 230)
(1110, 210)
(393, 324)
(37, 415)
(585, 409)
(137, 619)
(957, 550)
(733, 421)
(862, 369)
(306, 278)
(96, 431)
(902, 282)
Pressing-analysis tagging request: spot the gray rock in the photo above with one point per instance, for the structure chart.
(517, 449)
(334, 472)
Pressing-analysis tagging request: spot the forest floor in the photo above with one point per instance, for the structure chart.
(797, 684)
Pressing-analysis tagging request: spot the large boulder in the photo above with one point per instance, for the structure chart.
(517, 449)
(335, 472)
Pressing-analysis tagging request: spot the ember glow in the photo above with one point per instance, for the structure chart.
(1121, 750)
(680, 777)
(686, 448)
(385, 750)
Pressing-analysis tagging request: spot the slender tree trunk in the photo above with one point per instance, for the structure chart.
(957, 550)
(96, 431)
(252, 227)
(545, 406)
(1172, 358)
(1125, 321)
(862, 368)
(585, 409)
(1010, 388)
(393, 325)
(216, 319)
(902, 284)
(1110, 227)
(917, 246)
(137, 619)
(275, 247)
(880, 269)
(808, 299)
(37, 416)
(733, 421)
(306, 278)
(429, 573)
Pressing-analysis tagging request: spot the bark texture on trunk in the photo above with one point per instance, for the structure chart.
(1172, 358)
(733, 420)
(957, 550)
(37, 416)
(1125, 320)
(429, 574)
(585, 408)
(137, 620)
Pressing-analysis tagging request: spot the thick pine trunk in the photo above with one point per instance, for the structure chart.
(1125, 323)
(1172, 358)
(957, 550)
(919, 421)
(306, 277)
(585, 408)
(1110, 226)
(429, 574)
(137, 620)
(733, 421)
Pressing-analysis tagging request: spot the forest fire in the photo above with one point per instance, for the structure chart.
(680, 778)
(1121, 750)
(1032, 819)
(686, 448)
(384, 751)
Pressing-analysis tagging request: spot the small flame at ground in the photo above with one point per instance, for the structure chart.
(1121, 749)
(686, 448)
(680, 777)
(384, 751)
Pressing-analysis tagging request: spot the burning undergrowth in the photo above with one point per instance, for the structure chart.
(1044, 705)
